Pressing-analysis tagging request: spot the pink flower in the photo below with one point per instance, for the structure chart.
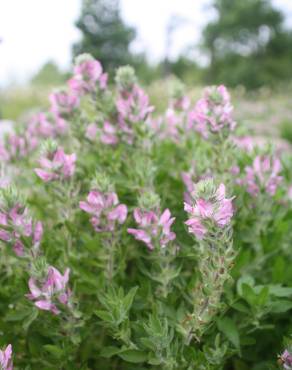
(103, 81)
(108, 134)
(216, 209)
(154, 230)
(195, 227)
(189, 180)
(19, 146)
(56, 166)
(6, 358)
(63, 103)
(39, 125)
(4, 154)
(263, 174)
(51, 292)
(181, 104)
(133, 106)
(87, 74)
(212, 113)
(105, 210)
(91, 132)
(244, 142)
(88, 70)
(15, 225)
(286, 358)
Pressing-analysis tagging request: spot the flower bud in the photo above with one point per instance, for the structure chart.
(125, 78)
(101, 182)
(149, 201)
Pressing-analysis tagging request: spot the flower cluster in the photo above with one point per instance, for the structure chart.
(105, 210)
(50, 292)
(173, 123)
(169, 126)
(6, 358)
(17, 146)
(132, 103)
(16, 225)
(46, 125)
(107, 133)
(63, 103)
(212, 113)
(262, 175)
(56, 165)
(88, 75)
(154, 229)
(286, 359)
(210, 208)
(133, 106)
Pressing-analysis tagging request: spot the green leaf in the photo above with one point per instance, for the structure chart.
(110, 351)
(280, 291)
(279, 269)
(33, 315)
(229, 329)
(53, 350)
(104, 315)
(263, 296)
(129, 298)
(17, 315)
(247, 280)
(249, 294)
(280, 306)
(133, 356)
(241, 307)
(154, 361)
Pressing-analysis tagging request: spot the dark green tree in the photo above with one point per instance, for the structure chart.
(247, 44)
(104, 34)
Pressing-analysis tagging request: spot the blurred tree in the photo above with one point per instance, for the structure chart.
(104, 34)
(49, 75)
(247, 44)
(187, 70)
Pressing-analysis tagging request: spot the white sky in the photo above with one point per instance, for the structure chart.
(34, 31)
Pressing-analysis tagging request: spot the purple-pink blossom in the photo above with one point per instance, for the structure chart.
(286, 359)
(105, 210)
(189, 179)
(133, 106)
(52, 292)
(63, 103)
(19, 145)
(108, 133)
(216, 210)
(262, 175)
(87, 76)
(6, 358)
(4, 154)
(43, 125)
(154, 229)
(181, 104)
(56, 166)
(16, 224)
(91, 131)
(213, 112)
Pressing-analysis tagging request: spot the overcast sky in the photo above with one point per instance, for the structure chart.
(34, 31)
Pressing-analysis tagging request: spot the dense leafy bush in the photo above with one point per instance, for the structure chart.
(137, 241)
